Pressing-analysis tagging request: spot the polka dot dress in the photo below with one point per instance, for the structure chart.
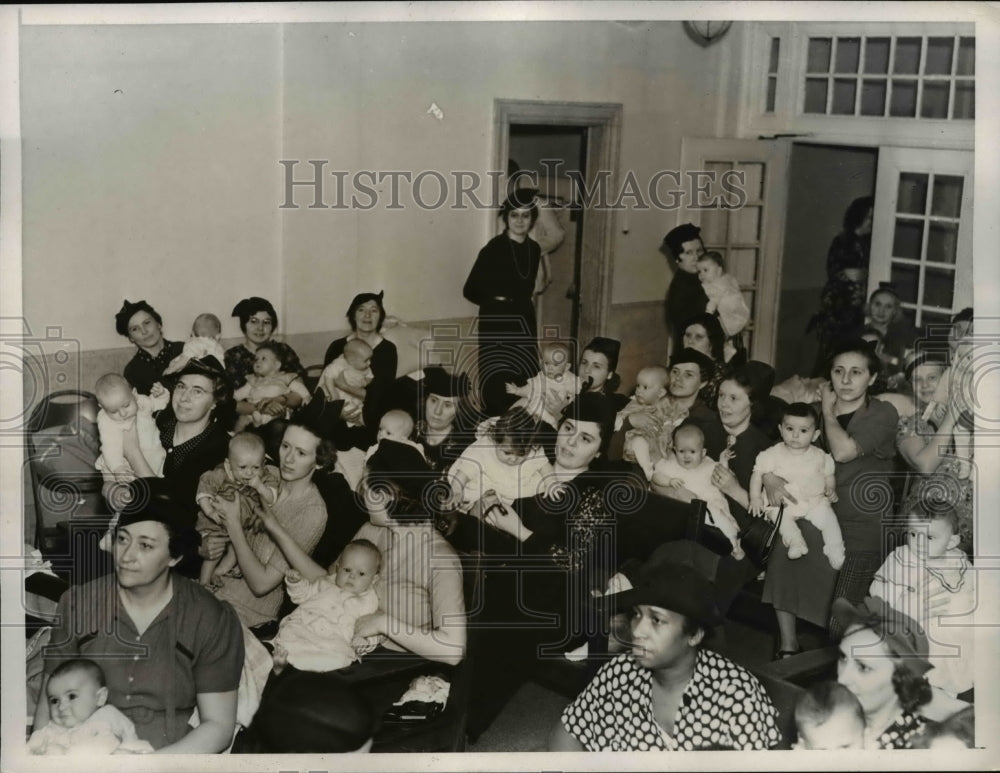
(901, 732)
(723, 707)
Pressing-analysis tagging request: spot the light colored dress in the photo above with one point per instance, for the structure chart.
(105, 731)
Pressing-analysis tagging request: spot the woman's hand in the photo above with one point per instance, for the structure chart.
(245, 408)
(275, 406)
(724, 480)
(776, 488)
(502, 518)
(827, 397)
(364, 644)
(371, 626)
(212, 546)
(352, 415)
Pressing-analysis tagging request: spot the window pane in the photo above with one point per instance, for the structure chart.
(965, 100)
(932, 318)
(877, 55)
(873, 97)
(844, 92)
(753, 175)
(905, 279)
(904, 99)
(848, 54)
(772, 89)
(907, 59)
(907, 238)
(966, 64)
(912, 193)
(947, 200)
(714, 224)
(939, 287)
(942, 242)
(939, 51)
(815, 95)
(742, 264)
(744, 225)
(819, 55)
(775, 49)
(935, 100)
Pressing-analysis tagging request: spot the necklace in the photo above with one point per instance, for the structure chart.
(521, 272)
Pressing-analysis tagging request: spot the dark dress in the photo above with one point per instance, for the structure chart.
(508, 346)
(685, 300)
(842, 302)
(185, 463)
(384, 361)
(239, 362)
(806, 586)
(143, 370)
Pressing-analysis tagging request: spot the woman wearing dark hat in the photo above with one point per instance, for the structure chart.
(859, 434)
(883, 661)
(366, 314)
(193, 428)
(704, 333)
(258, 321)
(669, 692)
(553, 543)
(444, 420)
(598, 371)
(141, 324)
(842, 303)
(926, 443)
(166, 645)
(502, 284)
(685, 296)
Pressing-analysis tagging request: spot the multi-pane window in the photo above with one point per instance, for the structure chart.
(890, 76)
(925, 244)
(772, 75)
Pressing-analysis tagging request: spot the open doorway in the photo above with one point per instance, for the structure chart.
(822, 181)
(547, 153)
(586, 136)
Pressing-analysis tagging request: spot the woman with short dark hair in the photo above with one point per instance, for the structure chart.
(141, 324)
(258, 321)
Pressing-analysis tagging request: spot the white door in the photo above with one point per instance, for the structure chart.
(922, 230)
(749, 236)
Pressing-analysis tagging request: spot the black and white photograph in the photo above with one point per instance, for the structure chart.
(423, 382)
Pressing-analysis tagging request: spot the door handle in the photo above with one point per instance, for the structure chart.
(572, 293)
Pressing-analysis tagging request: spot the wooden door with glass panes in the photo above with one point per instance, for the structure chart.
(922, 231)
(749, 235)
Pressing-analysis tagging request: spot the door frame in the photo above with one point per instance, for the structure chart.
(603, 120)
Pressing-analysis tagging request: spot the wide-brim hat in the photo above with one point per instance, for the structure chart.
(149, 499)
(902, 634)
(678, 587)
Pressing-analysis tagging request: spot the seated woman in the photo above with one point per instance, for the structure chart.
(678, 694)
(258, 321)
(193, 429)
(141, 324)
(256, 590)
(439, 402)
(421, 602)
(704, 334)
(883, 661)
(366, 314)
(165, 644)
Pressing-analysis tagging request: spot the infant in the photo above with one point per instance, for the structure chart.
(809, 472)
(243, 474)
(268, 381)
(829, 716)
(690, 467)
(347, 379)
(319, 634)
(204, 341)
(555, 386)
(121, 409)
(724, 295)
(81, 721)
(395, 425)
(505, 464)
(931, 564)
(649, 413)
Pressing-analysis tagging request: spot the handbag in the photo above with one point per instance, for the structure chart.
(758, 537)
(706, 534)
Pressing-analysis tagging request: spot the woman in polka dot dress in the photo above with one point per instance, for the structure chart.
(669, 692)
